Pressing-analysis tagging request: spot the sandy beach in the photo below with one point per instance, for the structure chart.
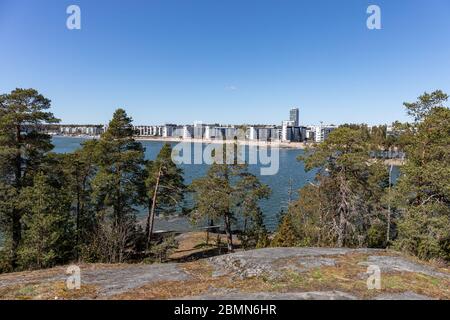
(277, 144)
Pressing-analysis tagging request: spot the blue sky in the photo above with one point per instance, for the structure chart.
(227, 61)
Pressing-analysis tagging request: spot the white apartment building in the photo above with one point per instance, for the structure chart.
(148, 131)
(269, 133)
(188, 132)
(168, 130)
(322, 132)
(89, 130)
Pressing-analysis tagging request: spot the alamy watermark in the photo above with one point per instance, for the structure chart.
(73, 282)
(374, 20)
(229, 149)
(73, 21)
(374, 279)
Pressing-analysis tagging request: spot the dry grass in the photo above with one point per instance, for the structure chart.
(347, 276)
(201, 281)
(47, 291)
(30, 275)
(194, 244)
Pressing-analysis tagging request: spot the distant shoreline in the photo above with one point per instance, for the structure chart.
(281, 145)
(287, 145)
(75, 137)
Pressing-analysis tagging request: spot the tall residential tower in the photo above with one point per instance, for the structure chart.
(294, 116)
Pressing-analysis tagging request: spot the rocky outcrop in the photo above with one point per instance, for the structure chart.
(400, 264)
(272, 262)
(271, 273)
(314, 295)
(110, 280)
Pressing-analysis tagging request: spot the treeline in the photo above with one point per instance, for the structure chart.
(82, 206)
(352, 203)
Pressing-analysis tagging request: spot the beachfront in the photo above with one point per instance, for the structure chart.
(273, 144)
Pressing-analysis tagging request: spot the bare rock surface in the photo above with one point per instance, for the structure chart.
(399, 264)
(110, 280)
(403, 296)
(123, 280)
(214, 278)
(314, 295)
(269, 261)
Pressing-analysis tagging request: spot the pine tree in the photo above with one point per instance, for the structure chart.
(228, 192)
(80, 168)
(212, 198)
(248, 191)
(165, 188)
(422, 194)
(351, 186)
(118, 185)
(48, 227)
(22, 148)
(285, 235)
(8, 205)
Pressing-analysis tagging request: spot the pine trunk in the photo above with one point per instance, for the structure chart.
(151, 215)
(229, 233)
(16, 215)
(343, 211)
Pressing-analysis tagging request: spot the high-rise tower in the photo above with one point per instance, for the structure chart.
(294, 116)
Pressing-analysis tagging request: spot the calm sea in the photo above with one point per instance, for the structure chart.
(291, 172)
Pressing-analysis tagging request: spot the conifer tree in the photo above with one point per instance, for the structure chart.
(423, 194)
(118, 185)
(80, 168)
(22, 149)
(351, 185)
(165, 188)
(248, 192)
(285, 236)
(229, 192)
(48, 227)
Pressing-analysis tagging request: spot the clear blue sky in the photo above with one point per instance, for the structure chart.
(228, 61)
